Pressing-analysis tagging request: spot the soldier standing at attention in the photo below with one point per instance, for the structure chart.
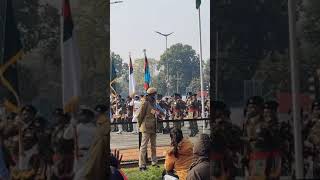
(313, 139)
(192, 113)
(147, 124)
(255, 156)
(225, 143)
(274, 141)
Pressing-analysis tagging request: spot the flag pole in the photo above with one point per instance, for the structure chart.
(295, 86)
(201, 73)
(3, 32)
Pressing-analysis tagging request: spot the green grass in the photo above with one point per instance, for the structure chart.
(152, 173)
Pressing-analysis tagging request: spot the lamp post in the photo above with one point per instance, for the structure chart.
(166, 36)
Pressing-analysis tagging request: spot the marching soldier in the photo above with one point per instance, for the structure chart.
(225, 144)
(129, 114)
(164, 105)
(159, 124)
(63, 148)
(313, 139)
(192, 106)
(177, 109)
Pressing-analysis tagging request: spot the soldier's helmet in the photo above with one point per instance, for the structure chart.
(271, 105)
(315, 104)
(100, 108)
(255, 100)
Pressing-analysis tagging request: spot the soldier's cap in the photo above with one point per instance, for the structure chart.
(29, 108)
(316, 104)
(101, 108)
(219, 105)
(272, 105)
(255, 100)
(189, 93)
(151, 90)
(87, 112)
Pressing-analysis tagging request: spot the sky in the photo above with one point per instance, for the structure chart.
(133, 22)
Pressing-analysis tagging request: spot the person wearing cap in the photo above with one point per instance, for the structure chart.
(177, 108)
(83, 128)
(275, 140)
(136, 105)
(225, 142)
(313, 138)
(63, 148)
(129, 114)
(147, 124)
(98, 158)
(192, 106)
(163, 104)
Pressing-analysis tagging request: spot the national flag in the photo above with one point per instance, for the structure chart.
(12, 53)
(70, 59)
(132, 82)
(147, 77)
(198, 3)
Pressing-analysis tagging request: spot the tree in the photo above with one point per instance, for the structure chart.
(179, 60)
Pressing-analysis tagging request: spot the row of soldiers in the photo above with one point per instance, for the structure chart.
(175, 108)
(33, 149)
(262, 147)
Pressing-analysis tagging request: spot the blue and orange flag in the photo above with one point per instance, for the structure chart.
(147, 77)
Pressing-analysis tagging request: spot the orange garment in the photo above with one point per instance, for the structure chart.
(182, 163)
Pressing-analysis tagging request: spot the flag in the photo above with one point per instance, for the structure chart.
(147, 77)
(113, 79)
(198, 3)
(70, 60)
(12, 52)
(132, 82)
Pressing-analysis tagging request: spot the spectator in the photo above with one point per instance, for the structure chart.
(200, 168)
(180, 157)
(116, 172)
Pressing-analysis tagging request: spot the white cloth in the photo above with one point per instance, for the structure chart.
(136, 107)
(168, 177)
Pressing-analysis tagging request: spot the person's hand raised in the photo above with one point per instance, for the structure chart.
(117, 155)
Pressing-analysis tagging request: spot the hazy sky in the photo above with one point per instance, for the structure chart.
(133, 22)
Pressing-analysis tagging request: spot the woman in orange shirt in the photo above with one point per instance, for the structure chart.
(180, 155)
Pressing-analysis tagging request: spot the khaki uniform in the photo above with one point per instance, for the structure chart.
(147, 124)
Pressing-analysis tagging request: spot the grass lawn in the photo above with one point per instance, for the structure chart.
(152, 173)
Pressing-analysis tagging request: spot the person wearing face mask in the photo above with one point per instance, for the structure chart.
(147, 123)
(313, 138)
(225, 142)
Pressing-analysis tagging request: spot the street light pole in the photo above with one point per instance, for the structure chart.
(166, 36)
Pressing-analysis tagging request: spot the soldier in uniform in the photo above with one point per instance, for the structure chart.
(274, 141)
(225, 143)
(255, 151)
(177, 109)
(147, 124)
(32, 162)
(63, 148)
(313, 139)
(129, 114)
(159, 124)
(192, 105)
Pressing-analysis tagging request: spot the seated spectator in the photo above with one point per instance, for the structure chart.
(200, 168)
(180, 157)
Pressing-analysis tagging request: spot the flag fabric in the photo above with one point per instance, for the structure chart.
(70, 58)
(12, 53)
(113, 79)
(132, 82)
(147, 77)
(198, 3)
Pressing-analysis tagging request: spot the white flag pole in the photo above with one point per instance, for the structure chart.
(295, 86)
(201, 74)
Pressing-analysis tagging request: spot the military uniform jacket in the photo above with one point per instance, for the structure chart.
(146, 117)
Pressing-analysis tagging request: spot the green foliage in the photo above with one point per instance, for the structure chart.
(179, 60)
(151, 174)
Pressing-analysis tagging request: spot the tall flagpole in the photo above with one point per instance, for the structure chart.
(201, 74)
(295, 86)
